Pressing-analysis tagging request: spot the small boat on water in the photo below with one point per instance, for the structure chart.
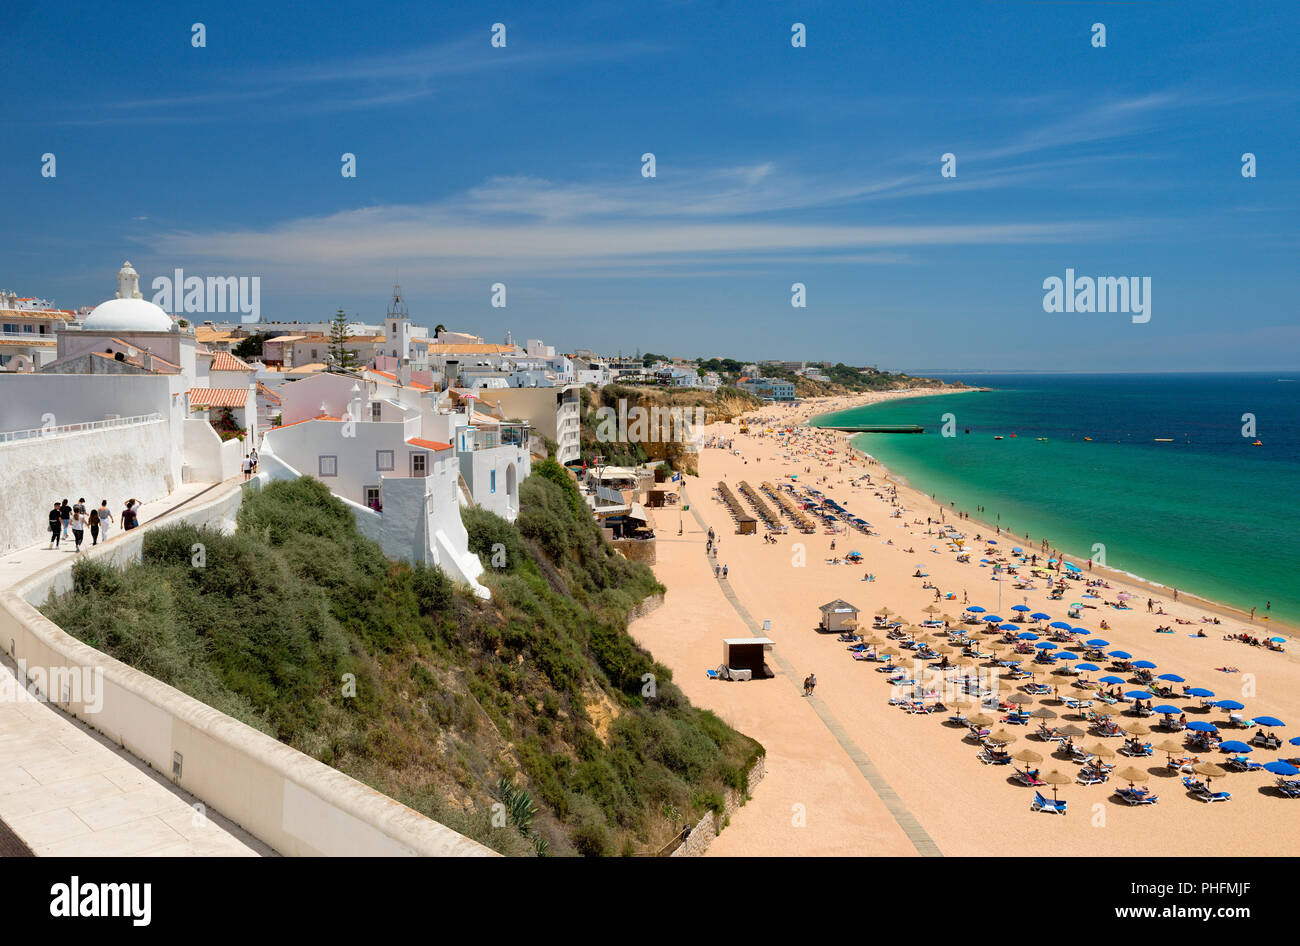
(999, 437)
(1164, 440)
(1258, 443)
(1042, 440)
(1088, 439)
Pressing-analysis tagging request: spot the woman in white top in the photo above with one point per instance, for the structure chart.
(105, 520)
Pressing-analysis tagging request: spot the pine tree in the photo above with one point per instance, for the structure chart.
(343, 356)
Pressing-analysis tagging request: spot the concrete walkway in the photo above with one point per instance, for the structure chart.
(65, 790)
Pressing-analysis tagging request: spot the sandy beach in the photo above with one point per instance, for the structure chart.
(848, 773)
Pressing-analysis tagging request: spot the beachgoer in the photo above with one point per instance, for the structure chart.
(56, 525)
(94, 527)
(105, 519)
(65, 513)
(130, 516)
(724, 571)
(78, 528)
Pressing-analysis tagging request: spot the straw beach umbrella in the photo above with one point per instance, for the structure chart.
(1132, 773)
(1056, 778)
(1137, 729)
(980, 719)
(1026, 755)
(1042, 712)
(1002, 736)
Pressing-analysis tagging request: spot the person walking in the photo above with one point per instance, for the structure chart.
(724, 571)
(93, 518)
(130, 516)
(65, 516)
(105, 518)
(247, 466)
(78, 527)
(56, 524)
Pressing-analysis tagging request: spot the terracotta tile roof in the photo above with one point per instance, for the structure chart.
(393, 378)
(428, 444)
(316, 367)
(218, 397)
(225, 361)
(211, 335)
(308, 419)
(34, 340)
(267, 393)
(438, 348)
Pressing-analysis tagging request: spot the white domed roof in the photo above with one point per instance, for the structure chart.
(128, 315)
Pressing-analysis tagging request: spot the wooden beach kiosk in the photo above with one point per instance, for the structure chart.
(838, 616)
(743, 657)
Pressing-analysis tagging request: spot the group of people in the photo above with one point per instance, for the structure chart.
(75, 520)
(249, 464)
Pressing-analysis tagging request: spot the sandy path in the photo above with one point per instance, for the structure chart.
(964, 806)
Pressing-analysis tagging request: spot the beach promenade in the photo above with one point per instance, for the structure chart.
(847, 773)
(65, 790)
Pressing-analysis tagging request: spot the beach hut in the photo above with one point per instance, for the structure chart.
(838, 615)
(744, 657)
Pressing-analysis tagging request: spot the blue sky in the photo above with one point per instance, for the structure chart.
(775, 165)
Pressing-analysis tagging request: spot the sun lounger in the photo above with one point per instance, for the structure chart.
(1239, 763)
(1289, 787)
(1027, 778)
(1137, 796)
(989, 759)
(1201, 792)
(1264, 742)
(714, 675)
(1077, 704)
(1141, 751)
(1091, 777)
(1054, 806)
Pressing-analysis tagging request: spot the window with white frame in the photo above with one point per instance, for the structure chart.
(384, 459)
(377, 414)
(328, 465)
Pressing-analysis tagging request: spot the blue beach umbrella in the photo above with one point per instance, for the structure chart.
(1086, 667)
(1112, 679)
(1197, 725)
(1060, 624)
(1079, 630)
(991, 541)
(1167, 709)
(1071, 568)
(993, 618)
(1199, 691)
(1066, 655)
(1268, 721)
(1277, 640)
(1028, 636)
(1097, 642)
(1040, 616)
(975, 609)
(1294, 740)
(1138, 695)
(1120, 654)
(1281, 768)
(1171, 677)
(1230, 705)
(1045, 645)
(1021, 607)
(1235, 745)
(1145, 665)
(1009, 627)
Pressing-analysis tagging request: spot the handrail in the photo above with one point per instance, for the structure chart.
(37, 433)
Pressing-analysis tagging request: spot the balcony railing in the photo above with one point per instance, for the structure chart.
(38, 433)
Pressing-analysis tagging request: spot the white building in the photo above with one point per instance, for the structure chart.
(553, 412)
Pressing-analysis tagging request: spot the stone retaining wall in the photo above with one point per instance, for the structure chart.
(711, 825)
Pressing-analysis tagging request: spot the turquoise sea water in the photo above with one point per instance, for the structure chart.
(1208, 513)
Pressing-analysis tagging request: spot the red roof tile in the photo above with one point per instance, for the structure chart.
(218, 397)
(225, 361)
(428, 444)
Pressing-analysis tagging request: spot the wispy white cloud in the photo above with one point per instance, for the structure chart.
(723, 217)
